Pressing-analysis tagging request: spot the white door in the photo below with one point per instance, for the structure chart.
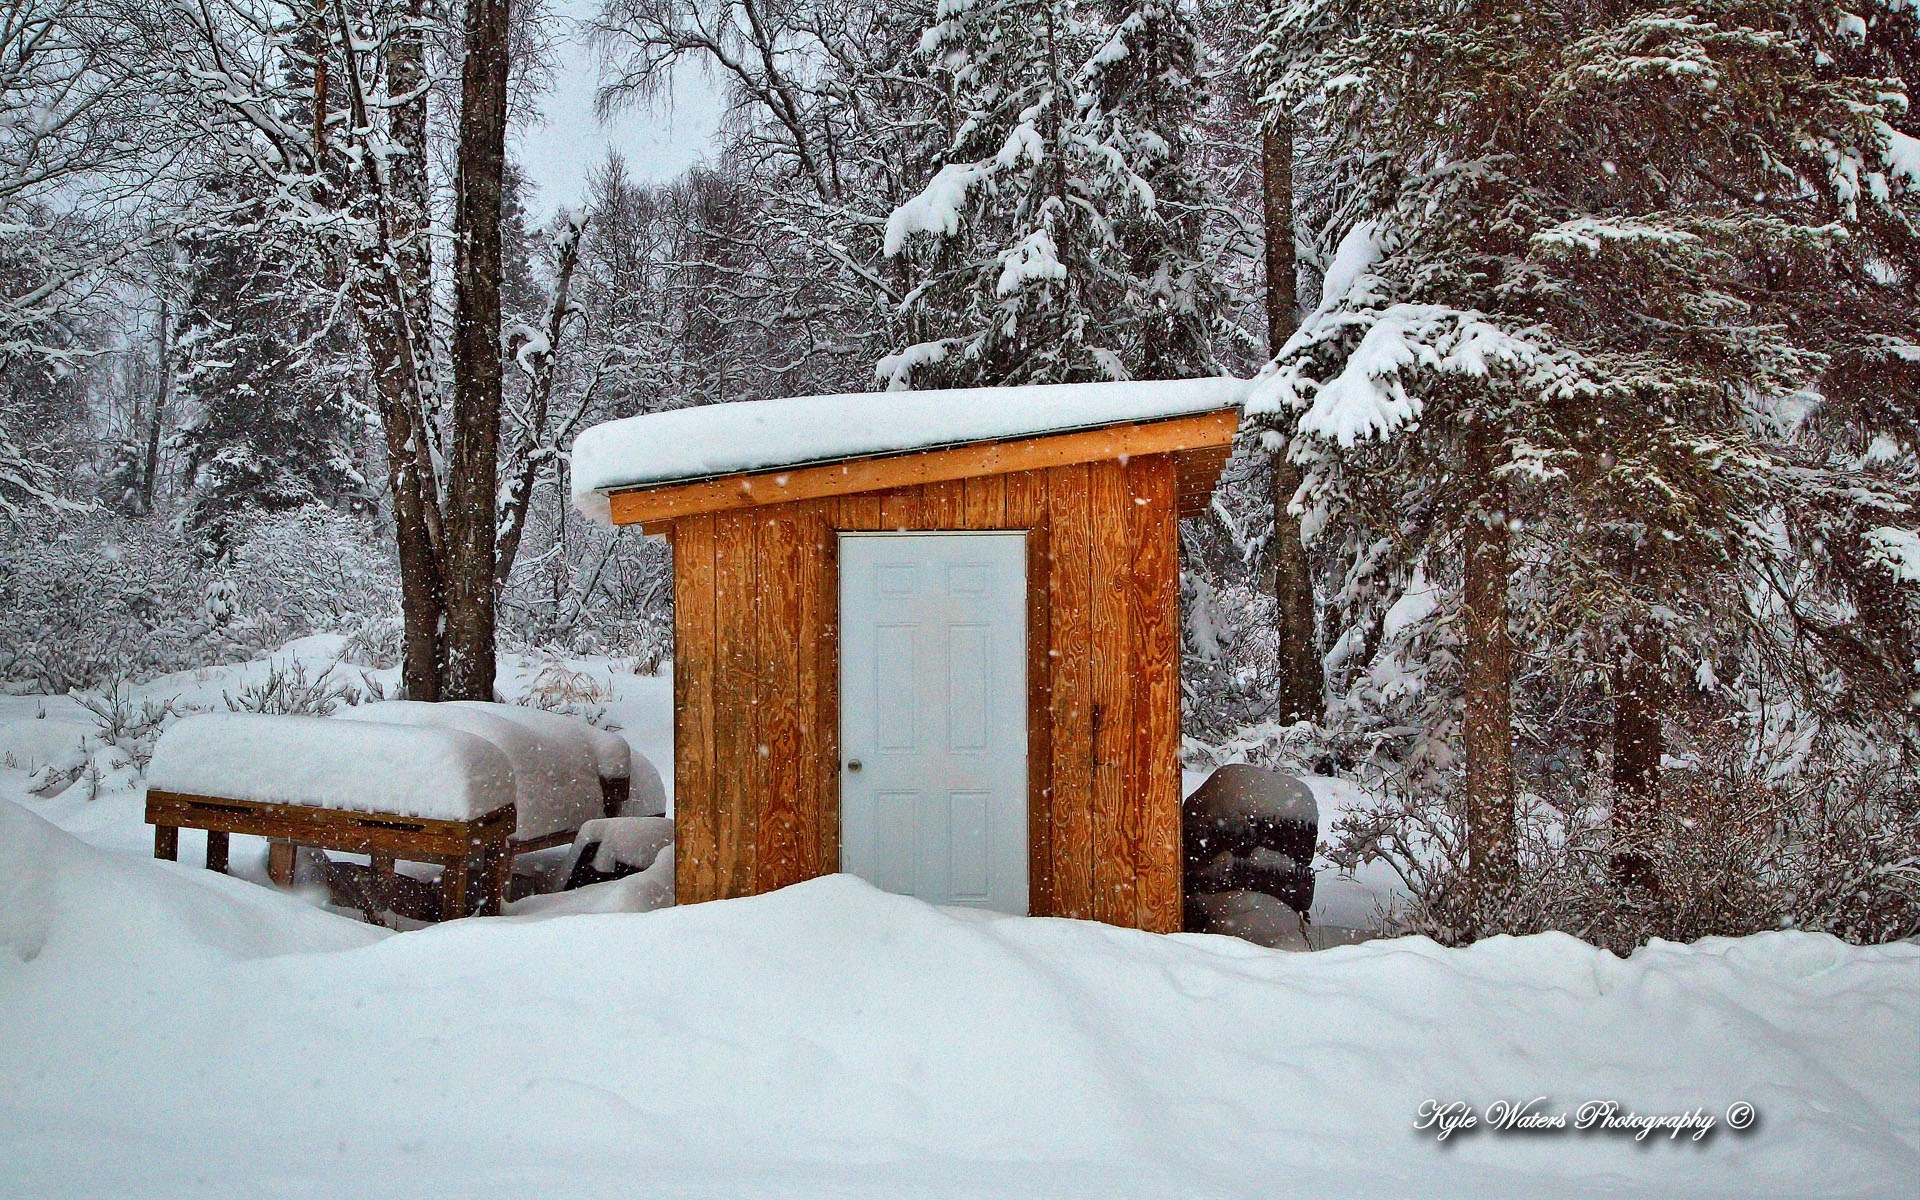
(933, 715)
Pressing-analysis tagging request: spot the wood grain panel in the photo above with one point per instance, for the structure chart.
(695, 835)
(1113, 807)
(859, 513)
(1026, 501)
(1040, 899)
(901, 509)
(736, 690)
(942, 505)
(985, 504)
(826, 710)
(1197, 472)
(1155, 784)
(779, 617)
(1069, 573)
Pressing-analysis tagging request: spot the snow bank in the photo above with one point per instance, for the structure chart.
(64, 902)
(833, 1040)
(555, 772)
(444, 774)
(723, 439)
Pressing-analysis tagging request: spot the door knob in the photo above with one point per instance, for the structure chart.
(853, 764)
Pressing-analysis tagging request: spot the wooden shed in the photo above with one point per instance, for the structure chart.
(928, 638)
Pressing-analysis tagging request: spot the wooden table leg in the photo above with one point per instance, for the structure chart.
(453, 889)
(216, 851)
(381, 883)
(166, 842)
(499, 865)
(281, 857)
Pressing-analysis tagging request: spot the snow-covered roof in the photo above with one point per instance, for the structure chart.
(759, 435)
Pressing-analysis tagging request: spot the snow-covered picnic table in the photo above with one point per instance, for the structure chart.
(465, 785)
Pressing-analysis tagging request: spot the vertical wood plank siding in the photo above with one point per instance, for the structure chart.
(696, 858)
(756, 684)
(1109, 693)
(738, 779)
(1155, 607)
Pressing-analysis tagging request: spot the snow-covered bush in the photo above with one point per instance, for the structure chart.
(88, 598)
(314, 570)
(375, 642)
(1834, 849)
(559, 688)
(130, 727)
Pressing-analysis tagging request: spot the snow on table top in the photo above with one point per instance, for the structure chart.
(612, 757)
(443, 774)
(554, 768)
(754, 435)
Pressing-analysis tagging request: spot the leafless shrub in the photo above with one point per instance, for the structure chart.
(121, 723)
(1835, 849)
(288, 691)
(557, 687)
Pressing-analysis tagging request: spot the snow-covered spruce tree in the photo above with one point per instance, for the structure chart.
(1058, 240)
(1612, 255)
(269, 424)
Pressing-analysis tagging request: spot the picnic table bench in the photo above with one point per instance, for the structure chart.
(466, 786)
(476, 854)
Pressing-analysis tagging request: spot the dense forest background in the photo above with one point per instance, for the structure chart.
(1573, 517)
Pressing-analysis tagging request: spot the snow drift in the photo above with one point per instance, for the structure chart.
(173, 1033)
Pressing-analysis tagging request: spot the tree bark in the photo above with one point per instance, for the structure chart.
(472, 482)
(395, 274)
(1276, 194)
(1638, 743)
(1488, 733)
(1300, 690)
(150, 468)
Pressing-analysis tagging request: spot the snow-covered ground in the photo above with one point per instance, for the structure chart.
(167, 1032)
(171, 1033)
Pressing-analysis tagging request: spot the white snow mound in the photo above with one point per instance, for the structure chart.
(832, 1040)
(63, 902)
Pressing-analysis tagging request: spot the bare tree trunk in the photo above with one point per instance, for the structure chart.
(150, 468)
(394, 277)
(1488, 735)
(1300, 690)
(1276, 180)
(529, 455)
(1638, 743)
(473, 476)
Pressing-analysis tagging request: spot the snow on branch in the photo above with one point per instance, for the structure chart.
(1898, 550)
(936, 210)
